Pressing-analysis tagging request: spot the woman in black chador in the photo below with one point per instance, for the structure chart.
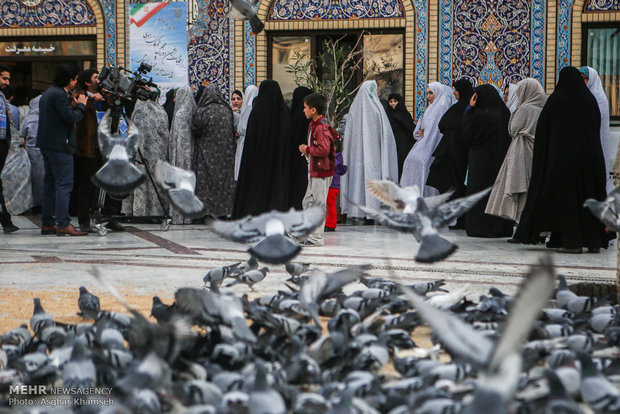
(485, 127)
(402, 127)
(299, 135)
(449, 166)
(567, 169)
(263, 183)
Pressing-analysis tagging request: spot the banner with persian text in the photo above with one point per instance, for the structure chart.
(158, 37)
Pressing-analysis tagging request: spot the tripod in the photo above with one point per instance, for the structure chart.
(97, 218)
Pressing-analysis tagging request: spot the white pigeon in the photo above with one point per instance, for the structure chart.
(272, 231)
(423, 220)
(179, 185)
(118, 175)
(243, 10)
(404, 199)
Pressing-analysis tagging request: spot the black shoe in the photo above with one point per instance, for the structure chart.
(328, 229)
(513, 241)
(9, 228)
(114, 226)
(85, 227)
(569, 250)
(594, 250)
(369, 222)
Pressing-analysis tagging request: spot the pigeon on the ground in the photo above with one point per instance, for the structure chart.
(161, 311)
(607, 211)
(179, 185)
(501, 361)
(216, 276)
(424, 221)
(245, 11)
(595, 389)
(321, 286)
(296, 269)
(40, 319)
(271, 230)
(250, 264)
(250, 278)
(118, 175)
(88, 304)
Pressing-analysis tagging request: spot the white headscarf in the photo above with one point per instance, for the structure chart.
(513, 98)
(420, 158)
(369, 150)
(242, 126)
(596, 87)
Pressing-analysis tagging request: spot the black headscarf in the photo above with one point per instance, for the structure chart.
(299, 135)
(567, 168)
(169, 105)
(486, 134)
(263, 183)
(449, 168)
(402, 127)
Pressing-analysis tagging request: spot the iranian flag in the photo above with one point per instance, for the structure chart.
(141, 13)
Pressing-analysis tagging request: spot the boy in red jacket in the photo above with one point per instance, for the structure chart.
(321, 154)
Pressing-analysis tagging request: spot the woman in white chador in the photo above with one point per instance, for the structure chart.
(595, 86)
(369, 150)
(244, 114)
(420, 158)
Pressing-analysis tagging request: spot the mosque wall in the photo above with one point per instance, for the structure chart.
(494, 41)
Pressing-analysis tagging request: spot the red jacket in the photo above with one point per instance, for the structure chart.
(321, 150)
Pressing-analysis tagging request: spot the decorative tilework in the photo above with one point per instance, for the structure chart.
(421, 63)
(493, 41)
(249, 52)
(445, 42)
(565, 10)
(14, 13)
(210, 47)
(602, 5)
(109, 11)
(334, 10)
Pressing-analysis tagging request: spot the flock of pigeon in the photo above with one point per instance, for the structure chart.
(314, 349)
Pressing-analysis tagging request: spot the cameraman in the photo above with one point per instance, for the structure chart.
(56, 139)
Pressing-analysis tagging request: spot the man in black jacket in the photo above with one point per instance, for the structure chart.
(57, 141)
(5, 142)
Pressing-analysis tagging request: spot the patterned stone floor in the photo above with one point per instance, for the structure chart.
(146, 261)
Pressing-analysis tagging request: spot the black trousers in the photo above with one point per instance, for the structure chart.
(5, 217)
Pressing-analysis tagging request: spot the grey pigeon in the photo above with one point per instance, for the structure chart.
(88, 304)
(424, 221)
(40, 319)
(16, 336)
(296, 269)
(215, 276)
(321, 286)
(245, 11)
(246, 266)
(607, 211)
(161, 311)
(569, 300)
(80, 371)
(403, 199)
(595, 389)
(208, 308)
(250, 278)
(558, 401)
(271, 230)
(118, 175)
(501, 361)
(263, 398)
(179, 185)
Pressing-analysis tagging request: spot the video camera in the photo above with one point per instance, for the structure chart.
(124, 88)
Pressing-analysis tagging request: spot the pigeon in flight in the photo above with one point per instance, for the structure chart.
(424, 221)
(271, 230)
(607, 211)
(118, 175)
(243, 10)
(403, 199)
(179, 185)
(501, 361)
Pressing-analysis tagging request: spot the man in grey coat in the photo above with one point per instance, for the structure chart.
(57, 140)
